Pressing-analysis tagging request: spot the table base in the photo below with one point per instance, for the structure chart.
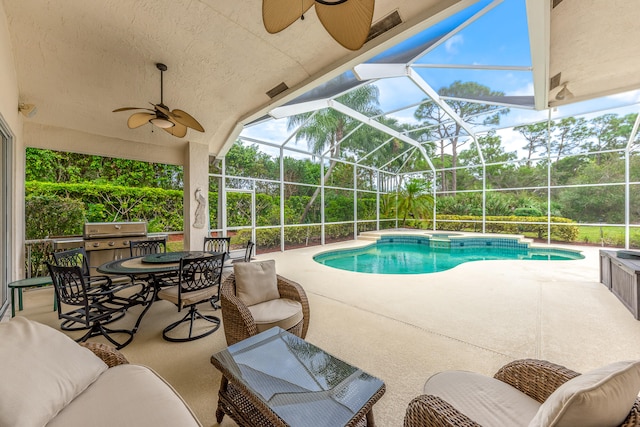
(246, 410)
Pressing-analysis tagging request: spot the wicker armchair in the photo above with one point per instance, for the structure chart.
(236, 317)
(536, 378)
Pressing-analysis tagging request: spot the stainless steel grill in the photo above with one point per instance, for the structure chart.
(108, 241)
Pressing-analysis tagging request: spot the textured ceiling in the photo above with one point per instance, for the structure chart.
(594, 45)
(79, 60)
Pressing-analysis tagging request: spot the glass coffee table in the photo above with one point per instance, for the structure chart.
(278, 379)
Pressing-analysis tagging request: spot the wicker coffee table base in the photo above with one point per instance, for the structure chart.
(247, 411)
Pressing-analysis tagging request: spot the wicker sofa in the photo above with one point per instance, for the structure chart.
(49, 379)
(530, 392)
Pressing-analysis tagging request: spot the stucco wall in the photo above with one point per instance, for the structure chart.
(9, 99)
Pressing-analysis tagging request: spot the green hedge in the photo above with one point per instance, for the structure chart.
(161, 209)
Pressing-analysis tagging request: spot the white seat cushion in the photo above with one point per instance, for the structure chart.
(127, 395)
(281, 312)
(188, 298)
(485, 400)
(42, 370)
(599, 398)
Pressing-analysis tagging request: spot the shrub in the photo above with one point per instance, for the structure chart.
(527, 212)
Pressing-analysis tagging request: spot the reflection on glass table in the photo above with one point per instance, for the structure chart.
(292, 382)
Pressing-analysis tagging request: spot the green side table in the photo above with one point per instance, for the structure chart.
(33, 282)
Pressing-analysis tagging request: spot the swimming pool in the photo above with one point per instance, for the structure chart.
(419, 255)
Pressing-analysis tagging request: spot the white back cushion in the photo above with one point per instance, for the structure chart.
(256, 282)
(599, 398)
(42, 370)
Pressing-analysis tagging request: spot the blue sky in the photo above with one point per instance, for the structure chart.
(497, 36)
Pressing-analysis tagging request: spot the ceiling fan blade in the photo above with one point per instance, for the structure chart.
(138, 119)
(186, 119)
(348, 23)
(279, 14)
(178, 130)
(130, 108)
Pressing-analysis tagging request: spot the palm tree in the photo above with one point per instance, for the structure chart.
(327, 127)
(415, 200)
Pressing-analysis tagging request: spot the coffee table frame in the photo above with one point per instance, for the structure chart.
(246, 409)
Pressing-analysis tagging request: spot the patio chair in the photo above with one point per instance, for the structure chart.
(198, 281)
(530, 392)
(149, 247)
(254, 298)
(77, 257)
(218, 244)
(94, 306)
(248, 252)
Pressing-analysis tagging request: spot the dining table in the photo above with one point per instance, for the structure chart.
(152, 270)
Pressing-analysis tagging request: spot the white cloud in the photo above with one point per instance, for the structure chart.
(451, 45)
(526, 90)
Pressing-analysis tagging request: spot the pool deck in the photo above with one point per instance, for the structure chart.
(477, 316)
(404, 328)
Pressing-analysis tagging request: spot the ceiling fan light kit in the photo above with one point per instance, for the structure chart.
(347, 21)
(161, 123)
(174, 122)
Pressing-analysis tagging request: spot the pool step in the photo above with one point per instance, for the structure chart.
(370, 236)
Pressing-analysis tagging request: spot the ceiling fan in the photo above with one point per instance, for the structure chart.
(174, 122)
(347, 21)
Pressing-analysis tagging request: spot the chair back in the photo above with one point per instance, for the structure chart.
(69, 284)
(148, 247)
(217, 244)
(248, 251)
(76, 257)
(200, 273)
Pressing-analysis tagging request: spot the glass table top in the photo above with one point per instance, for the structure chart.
(300, 382)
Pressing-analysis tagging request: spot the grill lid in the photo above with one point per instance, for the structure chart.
(103, 230)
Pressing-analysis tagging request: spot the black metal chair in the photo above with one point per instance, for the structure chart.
(147, 247)
(77, 257)
(199, 281)
(95, 306)
(218, 244)
(248, 252)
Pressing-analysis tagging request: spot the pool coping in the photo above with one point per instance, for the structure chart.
(511, 241)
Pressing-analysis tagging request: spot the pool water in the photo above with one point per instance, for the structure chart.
(414, 258)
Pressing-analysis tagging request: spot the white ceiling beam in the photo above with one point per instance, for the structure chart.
(379, 71)
(381, 127)
(539, 23)
(300, 108)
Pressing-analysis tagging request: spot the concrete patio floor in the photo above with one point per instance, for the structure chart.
(477, 316)
(404, 328)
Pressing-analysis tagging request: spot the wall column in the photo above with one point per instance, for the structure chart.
(196, 195)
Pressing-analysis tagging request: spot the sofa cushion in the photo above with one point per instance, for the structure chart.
(256, 282)
(281, 312)
(599, 398)
(127, 395)
(42, 371)
(487, 401)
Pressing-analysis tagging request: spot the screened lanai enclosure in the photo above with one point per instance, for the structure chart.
(444, 131)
